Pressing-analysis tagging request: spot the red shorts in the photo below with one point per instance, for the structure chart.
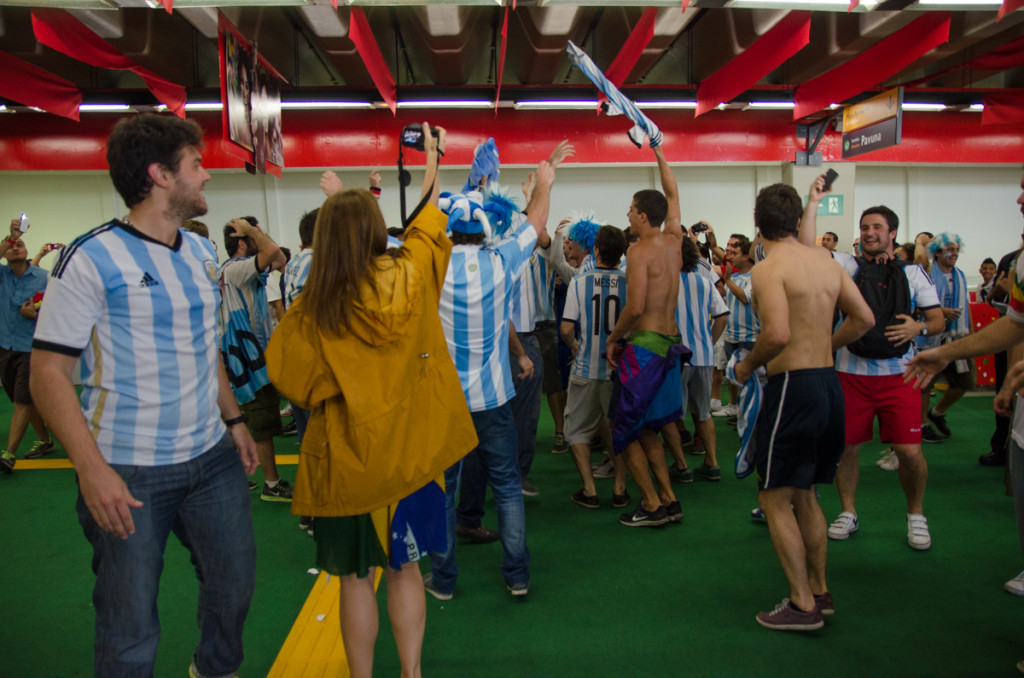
(897, 406)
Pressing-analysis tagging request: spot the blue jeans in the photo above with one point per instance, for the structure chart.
(205, 502)
(526, 404)
(472, 492)
(497, 450)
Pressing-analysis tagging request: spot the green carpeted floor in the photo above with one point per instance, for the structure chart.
(605, 600)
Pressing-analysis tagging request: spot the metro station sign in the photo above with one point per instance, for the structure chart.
(873, 124)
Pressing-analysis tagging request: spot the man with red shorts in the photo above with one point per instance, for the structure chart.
(873, 387)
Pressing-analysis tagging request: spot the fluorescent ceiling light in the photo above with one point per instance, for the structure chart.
(959, 2)
(324, 104)
(914, 106)
(104, 108)
(977, 108)
(771, 105)
(867, 4)
(203, 106)
(666, 104)
(559, 104)
(464, 103)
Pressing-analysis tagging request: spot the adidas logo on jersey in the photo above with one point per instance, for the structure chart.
(148, 281)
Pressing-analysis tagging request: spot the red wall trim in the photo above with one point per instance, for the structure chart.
(369, 138)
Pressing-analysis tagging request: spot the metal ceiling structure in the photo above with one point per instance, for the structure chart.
(451, 49)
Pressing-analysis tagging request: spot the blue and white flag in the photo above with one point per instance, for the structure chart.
(749, 408)
(618, 103)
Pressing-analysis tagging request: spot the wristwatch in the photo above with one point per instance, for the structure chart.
(240, 419)
(924, 330)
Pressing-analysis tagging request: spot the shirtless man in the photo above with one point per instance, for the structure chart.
(654, 390)
(800, 431)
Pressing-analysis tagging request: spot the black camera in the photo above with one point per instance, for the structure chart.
(412, 136)
(699, 227)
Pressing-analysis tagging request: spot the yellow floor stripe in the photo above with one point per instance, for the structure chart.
(36, 464)
(313, 648)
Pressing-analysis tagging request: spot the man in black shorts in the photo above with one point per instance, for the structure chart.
(20, 282)
(800, 430)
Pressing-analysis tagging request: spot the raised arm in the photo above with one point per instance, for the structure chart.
(809, 222)
(434, 149)
(673, 219)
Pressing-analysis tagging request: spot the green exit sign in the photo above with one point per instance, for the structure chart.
(831, 205)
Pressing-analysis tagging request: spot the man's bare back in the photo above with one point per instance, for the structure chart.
(799, 287)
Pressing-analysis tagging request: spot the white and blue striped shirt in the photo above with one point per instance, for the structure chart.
(544, 286)
(295, 275)
(142, 316)
(474, 310)
(523, 311)
(922, 296)
(698, 303)
(743, 325)
(594, 301)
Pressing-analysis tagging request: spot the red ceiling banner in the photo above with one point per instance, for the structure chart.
(30, 85)
(168, 5)
(854, 4)
(501, 59)
(1009, 6)
(873, 65)
(59, 30)
(768, 52)
(361, 35)
(1003, 108)
(635, 44)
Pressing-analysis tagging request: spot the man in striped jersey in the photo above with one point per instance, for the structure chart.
(701, 315)
(800, 427)
(649, 372)
(475, 303)
(245, 323)
(593, 304)
(873, 387)
(134, 302)
(742, 329)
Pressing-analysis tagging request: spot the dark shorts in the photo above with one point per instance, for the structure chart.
(14, 371)
(962, 380)
(547, 337)
(801, 429)
(264, 414)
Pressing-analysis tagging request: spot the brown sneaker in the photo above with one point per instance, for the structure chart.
(786, 617)
(824, 603)
(476, 535)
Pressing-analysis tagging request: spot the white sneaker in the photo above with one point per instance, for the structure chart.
(727, 411)
(917, 532)
(716, 404)
(605, 470)
(1015, 585)
(843, 527)
(889, 460)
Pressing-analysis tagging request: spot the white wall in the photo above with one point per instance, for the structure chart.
(976, 202)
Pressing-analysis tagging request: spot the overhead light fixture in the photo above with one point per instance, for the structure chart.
(771, 105)
(104, 108)
(540, 105)
(914, 106)
(666, 104)
(300, 105)
(451, 103)
(202, 106)
(788, 4)
(960, 2)
(977, 108)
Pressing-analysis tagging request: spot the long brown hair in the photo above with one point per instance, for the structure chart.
(349, 236)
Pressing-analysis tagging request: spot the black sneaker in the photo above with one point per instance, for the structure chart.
(708, 472)
(578, 497)
(641, 517)
(281, 492)
(7, 462)
(992, 459)
(940, 422)
(253, 485)
(674, 512)
(39, 448)
(680, 475)
(560, 446)
(929, 435)
(290, 429)
(685, 437)
(620, 500)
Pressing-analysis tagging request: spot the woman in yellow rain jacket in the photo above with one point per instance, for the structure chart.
(362, 349)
